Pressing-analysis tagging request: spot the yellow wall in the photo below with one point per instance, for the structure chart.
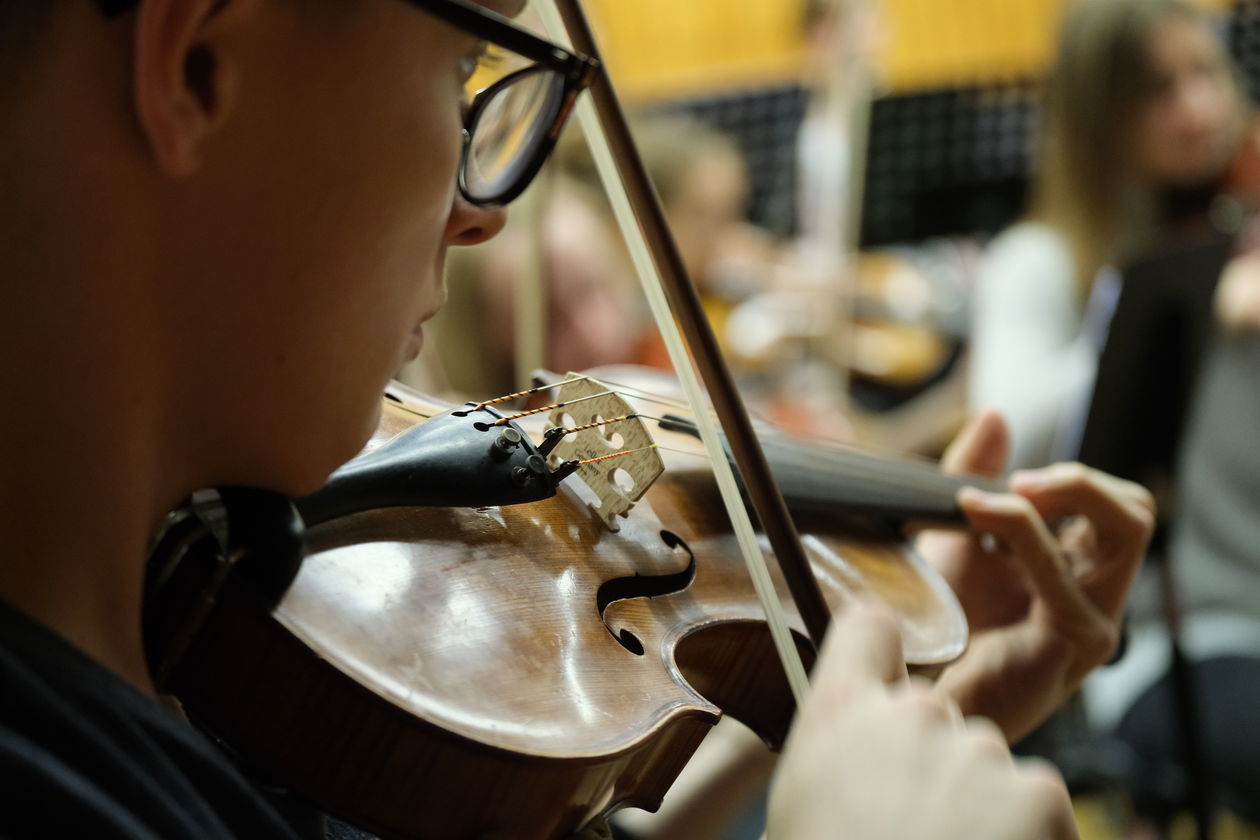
(933, 42)
(929, 43)
(674, 48)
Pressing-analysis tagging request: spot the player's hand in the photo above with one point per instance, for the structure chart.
(1043, 579)
(877, 756)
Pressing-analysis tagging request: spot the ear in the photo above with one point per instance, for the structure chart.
(183, 79)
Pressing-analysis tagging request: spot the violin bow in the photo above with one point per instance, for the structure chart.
(671, 295)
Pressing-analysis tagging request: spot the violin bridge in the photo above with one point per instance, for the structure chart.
(618, 456)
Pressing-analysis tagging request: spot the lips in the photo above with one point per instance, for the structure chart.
(415, 341)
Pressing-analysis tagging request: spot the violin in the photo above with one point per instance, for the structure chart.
(547, 624)
(527, 654)
(1220, 209)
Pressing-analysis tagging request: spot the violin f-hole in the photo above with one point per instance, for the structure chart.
(644, 586)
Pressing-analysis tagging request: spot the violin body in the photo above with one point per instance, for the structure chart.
(517, 671)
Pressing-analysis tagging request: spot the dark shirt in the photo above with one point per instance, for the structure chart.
(85, 754)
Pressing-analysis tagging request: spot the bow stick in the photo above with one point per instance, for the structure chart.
(671, 296)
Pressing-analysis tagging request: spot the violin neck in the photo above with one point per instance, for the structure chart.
(819, 480)
(826, 480)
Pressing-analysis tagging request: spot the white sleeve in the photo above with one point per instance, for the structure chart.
(1030, 358)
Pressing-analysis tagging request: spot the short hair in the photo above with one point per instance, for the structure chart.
(21, 24)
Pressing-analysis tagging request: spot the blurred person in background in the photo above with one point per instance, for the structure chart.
(841, 39)
(593, 314)
(1145, 124)
(702, 179)
(1196, 715)
(1143, 118)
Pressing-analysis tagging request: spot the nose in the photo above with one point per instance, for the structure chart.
(1203, 98)
(469, 224)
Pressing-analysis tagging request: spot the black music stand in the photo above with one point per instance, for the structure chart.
(1150, 361)
(1146, 379)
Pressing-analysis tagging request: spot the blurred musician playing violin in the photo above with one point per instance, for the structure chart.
(1149, 151)
(1144, 123)
(224, 223)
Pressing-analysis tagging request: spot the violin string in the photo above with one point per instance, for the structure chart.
(694, 454)
(635, 416)
(503, 421)
(575, 429)
(506, 397)
(642, 416)
(638, 415)
(623, 389)
(798, 456)
(527, 392)
(836, 463)
(612, 388)
(617, 455)
(635, 392)
(838, 468)
(656, 446)
(891, 472)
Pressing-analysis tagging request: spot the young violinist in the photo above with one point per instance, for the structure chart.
(224, 222)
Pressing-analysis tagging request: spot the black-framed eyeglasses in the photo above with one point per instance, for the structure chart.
(511, 126)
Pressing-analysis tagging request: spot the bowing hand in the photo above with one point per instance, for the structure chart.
(878, 756)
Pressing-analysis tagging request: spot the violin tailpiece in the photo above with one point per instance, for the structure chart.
(616, 482)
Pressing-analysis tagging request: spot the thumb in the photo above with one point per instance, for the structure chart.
(862, 650)
(981, 448)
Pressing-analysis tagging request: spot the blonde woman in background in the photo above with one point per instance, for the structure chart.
(1144, 121)
(1143, 115)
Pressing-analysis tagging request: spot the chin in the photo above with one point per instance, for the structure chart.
(314, 462)
(1191, 174)
(354, 443)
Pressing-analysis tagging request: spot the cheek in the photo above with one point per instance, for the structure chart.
(366, 258)
(1156, 139)
(424, 189)
(413, 163)
(1183, 144)
(1220, 111)
(391, 227)
(1154, 124)
(340, 179)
